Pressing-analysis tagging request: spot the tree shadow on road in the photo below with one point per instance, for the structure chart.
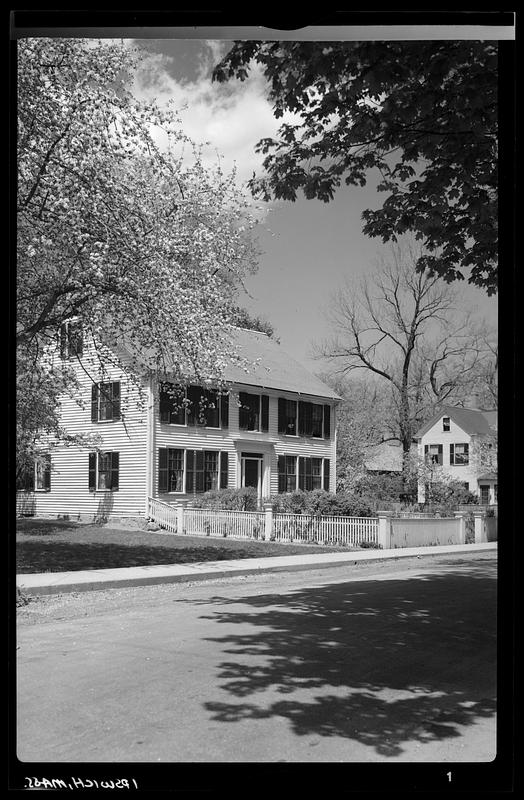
(381, 662)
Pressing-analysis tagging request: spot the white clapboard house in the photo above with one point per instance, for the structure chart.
(273, 429)
(458, 441)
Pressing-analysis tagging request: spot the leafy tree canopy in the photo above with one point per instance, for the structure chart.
(119, 224)
(422, 114)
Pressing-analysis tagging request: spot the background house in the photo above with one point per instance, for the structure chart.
(462, 444)
(273, 428)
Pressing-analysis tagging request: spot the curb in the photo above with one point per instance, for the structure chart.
(36, 584)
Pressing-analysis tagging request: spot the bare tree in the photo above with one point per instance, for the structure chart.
(406, 328)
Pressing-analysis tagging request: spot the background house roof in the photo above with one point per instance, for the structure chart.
(471, 420)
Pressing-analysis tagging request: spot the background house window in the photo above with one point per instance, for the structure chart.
(71, 339)
(105, 402)
(253, 412)
(433, 453)
(445, 424)
(459, 454)
(104, 471)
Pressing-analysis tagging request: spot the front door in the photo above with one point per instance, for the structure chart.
(484, 495)
(252, 473)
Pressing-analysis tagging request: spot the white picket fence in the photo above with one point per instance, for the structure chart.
(163, 514)
(348, 531)
(234, 524)
(265, 525)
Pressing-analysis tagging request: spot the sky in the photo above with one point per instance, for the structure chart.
(309, 249)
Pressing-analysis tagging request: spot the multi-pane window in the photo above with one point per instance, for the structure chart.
(433, 453)
(445, 424)
(459, 454)
(104, 471)
(37, 476)
(193, 406)
(253, 412)
(304, 419)
(105, 402)
(191, 471)
(71, 339)
(302, 473)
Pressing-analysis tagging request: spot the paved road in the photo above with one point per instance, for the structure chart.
(393, 662)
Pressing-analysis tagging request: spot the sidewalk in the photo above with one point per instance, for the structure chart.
(82, 581)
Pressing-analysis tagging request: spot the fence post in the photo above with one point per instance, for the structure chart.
(480, 532)
(384, 529)
(268, 521)
(180, 518)
(462, 526)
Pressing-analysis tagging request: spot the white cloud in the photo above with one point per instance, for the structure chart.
(231, 117)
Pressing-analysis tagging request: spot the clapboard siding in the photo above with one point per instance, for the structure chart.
(138, 446)
(69, 494)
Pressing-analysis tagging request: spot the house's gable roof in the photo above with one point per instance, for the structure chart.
(471, 420)
(263, 363)
(272, 368)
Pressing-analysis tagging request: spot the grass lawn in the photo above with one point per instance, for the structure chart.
(61, 546)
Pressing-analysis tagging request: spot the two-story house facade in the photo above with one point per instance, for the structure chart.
(459, 442)
(272, 427)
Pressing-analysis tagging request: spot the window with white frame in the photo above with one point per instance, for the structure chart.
(301, 418)
(459, 454)
(104, 470)
(105, 401)
(37, 477)
(71, 339)
(253, 412)
(193, 405)
(446, 424)
(183, 471)
(433, 453)
(300, 472)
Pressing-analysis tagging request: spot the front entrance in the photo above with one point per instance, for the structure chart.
(252, 471)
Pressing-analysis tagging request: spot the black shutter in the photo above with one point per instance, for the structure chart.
(115, 459)
(94, 402)
(264, 413)
(116, 399)
(452, 454)
(223, 469)
(301, 418)
(224, 411)
(243, 412)
(92, 472)
(199, 471)
(162, 469)
(190, 474)
(164, 405)
(426, 449)
(282, 427)
(281, 474)
(301, 472)
(327, 422)
(326, 474)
